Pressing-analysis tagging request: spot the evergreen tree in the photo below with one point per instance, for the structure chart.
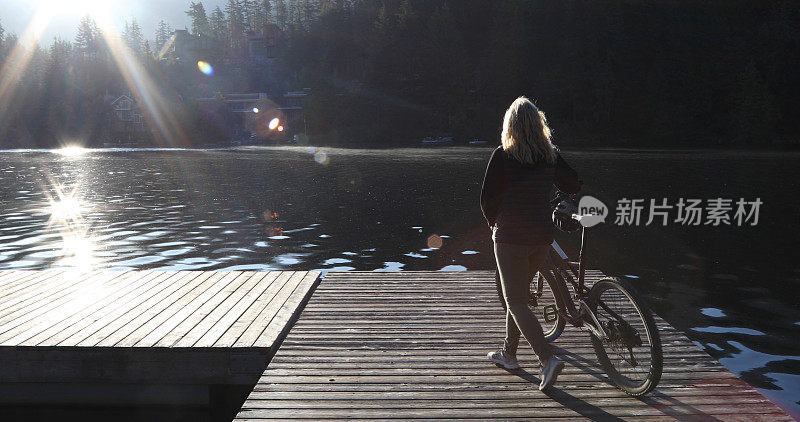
(383, 23)
(411, 68)
(133, 36)
(257, 14)
(406, 17)
(446, 67)
(197, 13)
(163, 34)
(250, 14)
(218, 25)
(265, 11)
(147, 50)
(307, 12)
(58, 65)
(3, 44)
(293, 12)
(281, 14)
(88, 38)
(235, 23)
(503, 67)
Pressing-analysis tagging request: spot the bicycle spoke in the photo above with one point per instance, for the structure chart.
(627, 329)
(631, 355)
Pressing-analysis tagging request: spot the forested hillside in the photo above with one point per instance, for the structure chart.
(657, 73)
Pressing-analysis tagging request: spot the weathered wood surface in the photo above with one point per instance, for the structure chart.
(412, 345)
(148, 327)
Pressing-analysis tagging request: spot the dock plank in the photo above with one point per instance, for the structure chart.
(226, 320)
(32, 286)
(41, 311)
(156, 304)
(280, 322)
(80, 322)
(251, 333)
(275, 305)
(159, 315)
(172, 283)
(77, 312)
(204, 321)
(12, 278)
(109, 315)
(100, 337)
(195, 299)
(251, 316)
(175, 335)
(413, 345)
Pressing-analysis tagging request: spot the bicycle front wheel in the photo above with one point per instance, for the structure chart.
(631, 355)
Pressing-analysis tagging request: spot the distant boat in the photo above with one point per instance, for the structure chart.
(439, 140)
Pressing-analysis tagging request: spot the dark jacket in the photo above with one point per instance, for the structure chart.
(515, 197)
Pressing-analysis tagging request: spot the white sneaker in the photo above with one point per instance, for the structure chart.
(550, 372)
(503, 359)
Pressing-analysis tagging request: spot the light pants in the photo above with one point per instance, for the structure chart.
(517, 265)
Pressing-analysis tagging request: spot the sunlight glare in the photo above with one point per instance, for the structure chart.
(71, 151)
(274, 123)
(78, 251)
(160, 116)
(65, 209)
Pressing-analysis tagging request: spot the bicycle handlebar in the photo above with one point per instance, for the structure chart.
(560, 196)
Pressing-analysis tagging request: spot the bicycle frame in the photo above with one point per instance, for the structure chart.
(563, 273)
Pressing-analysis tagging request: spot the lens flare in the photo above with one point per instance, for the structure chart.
(322, 158)
(280, 128)
(435, 241)
(206, 68)
(274, 123)
(255, 110)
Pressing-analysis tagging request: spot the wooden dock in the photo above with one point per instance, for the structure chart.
(413, 345)
(140, 337)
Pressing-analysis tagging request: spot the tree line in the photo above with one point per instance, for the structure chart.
(386, 73)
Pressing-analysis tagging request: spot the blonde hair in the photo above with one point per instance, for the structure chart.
(526, 135)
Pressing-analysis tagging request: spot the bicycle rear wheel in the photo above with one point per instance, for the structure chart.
(631, 355)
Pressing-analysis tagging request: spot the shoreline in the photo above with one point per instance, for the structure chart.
(329, 148)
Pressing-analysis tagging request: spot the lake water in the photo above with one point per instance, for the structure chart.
(734, 290)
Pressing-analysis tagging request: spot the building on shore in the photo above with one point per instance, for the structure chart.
(251, 117)
(241, 90)
(128, 125)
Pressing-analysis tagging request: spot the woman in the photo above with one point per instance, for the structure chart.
(515, 202)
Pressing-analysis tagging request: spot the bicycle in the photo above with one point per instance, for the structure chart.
(622, 329)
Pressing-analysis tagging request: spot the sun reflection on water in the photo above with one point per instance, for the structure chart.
(66, 214)
(65, 210)
(71, 151)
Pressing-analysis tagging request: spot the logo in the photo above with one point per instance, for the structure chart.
(591, 211)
